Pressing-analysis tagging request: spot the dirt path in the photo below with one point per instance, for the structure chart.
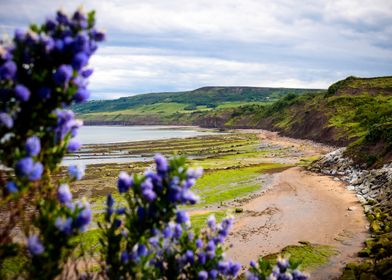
(300, 206)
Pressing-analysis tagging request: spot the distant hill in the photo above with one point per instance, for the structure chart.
(202, 98)
(354, 111)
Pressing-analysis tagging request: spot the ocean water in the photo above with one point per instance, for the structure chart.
(118, 134)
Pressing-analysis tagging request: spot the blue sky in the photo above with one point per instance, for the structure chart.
(176, 45)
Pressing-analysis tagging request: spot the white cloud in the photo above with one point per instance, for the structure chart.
(174, 45)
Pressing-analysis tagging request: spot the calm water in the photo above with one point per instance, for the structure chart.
(118, 134)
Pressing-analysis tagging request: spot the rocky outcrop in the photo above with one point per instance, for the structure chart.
(373, 187)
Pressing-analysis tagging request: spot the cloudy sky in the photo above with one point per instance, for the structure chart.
(180, 45)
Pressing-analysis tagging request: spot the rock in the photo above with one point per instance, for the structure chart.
(367, 208)
(357, 181)
(361, 199)
(351, 208)
(350, 188)
(336, 179)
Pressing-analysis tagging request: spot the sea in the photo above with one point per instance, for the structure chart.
(97, 135)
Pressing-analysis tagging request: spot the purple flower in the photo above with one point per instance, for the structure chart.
(189, 183)
(64, 225)
(87, 73)
(121, 211)
(194, 173)
(44, 93)
(78, 15)
(36, 172)
(124, 182)
(199, 243)
(109, 201)
(59, 45)
(64, 195)
(182, 217)
(189, 197)
(250, 276)
(234, 269)
(149, 195)
(11, 187)
(81, 95)
(84, 218)
(177, 231)
(6, 120)
(50, 25)
(202, 275)
(62, 18)
(34, 245)
(201, 258)
(48, 44)
(141, 250)
(124, 257)
(189, 257)
(283, 264)
(253, 263)
(161, 162)
(98, 36)
(298, 275)
(210, 249)
(22, 93)
(167, 232)
(24, 167)
(223, 267)
(141, 212)
(213, 274)
(65, 124)
(76, 172)
(8, 70)
(147, 185)
(33, 146)
(79, 61)
(81, 44)
(211, 222)
(73, 146)
(62, 75)
(117, 223)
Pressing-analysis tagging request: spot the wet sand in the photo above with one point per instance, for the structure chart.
(300, 206)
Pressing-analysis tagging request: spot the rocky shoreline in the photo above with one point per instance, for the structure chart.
(374, 190)
(373, 187)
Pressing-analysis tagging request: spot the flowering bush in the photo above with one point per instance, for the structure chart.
(150, 236)
(42, 72)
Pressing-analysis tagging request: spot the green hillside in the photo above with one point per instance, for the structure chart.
(355, 111)
(205, 98)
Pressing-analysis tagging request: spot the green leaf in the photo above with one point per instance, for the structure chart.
(91, 18)
(34, 27)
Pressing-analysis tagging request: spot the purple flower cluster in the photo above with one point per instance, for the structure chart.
(83, 212)
(27, 167)
(62, 46)
(34, 245)
(66, 124)
(76, 172)
(282, 270)
(206, 248)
